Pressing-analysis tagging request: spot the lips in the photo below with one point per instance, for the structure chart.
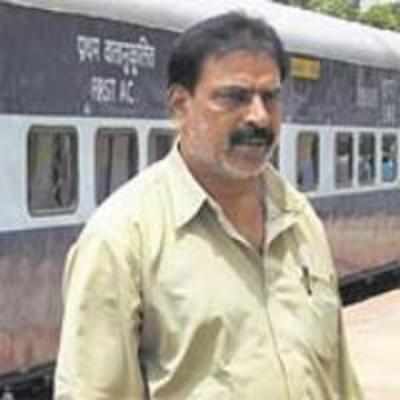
(250, 140)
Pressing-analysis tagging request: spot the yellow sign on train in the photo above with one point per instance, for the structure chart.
(305, 68)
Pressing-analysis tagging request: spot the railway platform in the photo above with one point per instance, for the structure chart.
(373, 328)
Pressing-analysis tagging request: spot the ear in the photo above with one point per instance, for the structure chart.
(178, 101)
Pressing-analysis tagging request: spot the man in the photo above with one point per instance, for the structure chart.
(208, 277)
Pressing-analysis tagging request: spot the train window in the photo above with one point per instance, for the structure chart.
(160, 142)
(389, 158)
(116, 159)
(366, 159)
(307, 161)
(344, 159)
(52, 170)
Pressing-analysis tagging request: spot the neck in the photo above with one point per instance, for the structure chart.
(229, 191)
(242, 201)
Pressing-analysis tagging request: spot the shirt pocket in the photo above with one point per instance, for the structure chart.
(322, 313)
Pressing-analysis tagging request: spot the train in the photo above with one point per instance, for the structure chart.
(82, 110)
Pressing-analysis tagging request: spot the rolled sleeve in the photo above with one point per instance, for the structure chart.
(98, 357)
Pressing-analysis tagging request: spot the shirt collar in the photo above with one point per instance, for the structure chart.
(284, 204)
(281, 197)
(189, 196)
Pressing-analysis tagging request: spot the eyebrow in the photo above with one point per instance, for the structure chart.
(250, 88)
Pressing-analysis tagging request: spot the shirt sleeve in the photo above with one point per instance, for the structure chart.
(349, 387)
(98, 356)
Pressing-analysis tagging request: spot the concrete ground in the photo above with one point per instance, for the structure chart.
(373, 329)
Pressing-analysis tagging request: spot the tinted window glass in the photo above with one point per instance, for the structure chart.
(52, 169)
(116, 159)
(307, 161)
(366, 159)
(160, 142)
(344, 160)
(389, 158)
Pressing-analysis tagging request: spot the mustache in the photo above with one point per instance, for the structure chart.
(252, 135)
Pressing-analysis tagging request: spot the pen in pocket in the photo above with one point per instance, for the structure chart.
(306, 278)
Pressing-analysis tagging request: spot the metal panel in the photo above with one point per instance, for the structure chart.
(303, 31)
(72, 65)
(31, 265)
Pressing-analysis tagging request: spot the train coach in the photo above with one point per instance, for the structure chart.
(82, 110)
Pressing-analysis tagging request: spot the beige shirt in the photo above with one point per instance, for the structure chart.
(164, 300)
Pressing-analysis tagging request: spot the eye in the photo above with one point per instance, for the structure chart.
(271, 96)
(233, 96)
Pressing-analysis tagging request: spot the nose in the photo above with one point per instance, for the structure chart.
(257, 112)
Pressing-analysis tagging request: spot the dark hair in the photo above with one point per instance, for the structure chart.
(217, 36)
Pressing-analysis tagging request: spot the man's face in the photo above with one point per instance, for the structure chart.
(230, 124)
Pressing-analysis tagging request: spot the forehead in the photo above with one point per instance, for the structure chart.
(240, 67)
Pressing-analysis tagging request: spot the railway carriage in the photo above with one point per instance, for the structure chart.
(82, 110)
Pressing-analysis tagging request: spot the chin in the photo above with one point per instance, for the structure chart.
(244, 173)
